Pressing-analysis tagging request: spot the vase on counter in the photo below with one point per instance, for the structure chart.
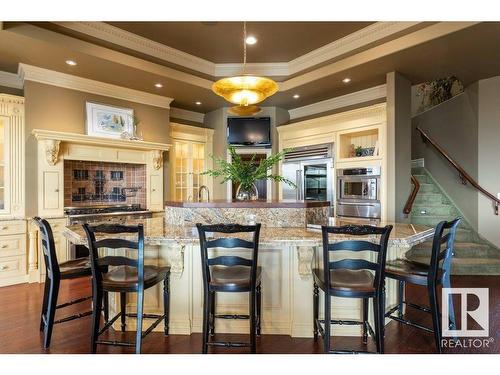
(247, 193)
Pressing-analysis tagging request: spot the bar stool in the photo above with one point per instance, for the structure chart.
(54, 273)
(230, 273)
(123, 275)
(428, 275)
(351, 278)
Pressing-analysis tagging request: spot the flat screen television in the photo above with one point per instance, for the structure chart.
(249, 131)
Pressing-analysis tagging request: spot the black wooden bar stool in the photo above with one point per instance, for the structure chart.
(123, 275)
(429, 275)
(230, 273)
(54, 273)
(352, 278)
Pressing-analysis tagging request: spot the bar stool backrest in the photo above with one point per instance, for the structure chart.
(98, 263)
(228, 242)
(442, 248)
(355, 246)
(48, 248)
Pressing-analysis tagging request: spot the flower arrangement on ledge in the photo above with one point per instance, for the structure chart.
(246, 173)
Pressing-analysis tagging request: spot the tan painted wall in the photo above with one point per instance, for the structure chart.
(489, 156)
(398, 145)
(56, 108)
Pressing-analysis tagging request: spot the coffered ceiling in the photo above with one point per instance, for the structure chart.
(221, 42)
(306, 58)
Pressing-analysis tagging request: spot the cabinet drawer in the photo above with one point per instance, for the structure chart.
(12, 266)
(12, 227)
(12, 245)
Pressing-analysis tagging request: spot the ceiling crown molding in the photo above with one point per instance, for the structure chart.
(184, 114)
(115, 35)
(68, 81)
(358, 97)
(333, 50)
(348, 44)
(10, 80)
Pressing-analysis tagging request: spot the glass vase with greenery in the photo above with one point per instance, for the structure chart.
(246, 172)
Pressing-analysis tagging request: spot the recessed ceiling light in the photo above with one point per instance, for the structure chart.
(346, 80)
(159, 85)
(250, 40)
(71, 62)
(296, 96)
(197, 103)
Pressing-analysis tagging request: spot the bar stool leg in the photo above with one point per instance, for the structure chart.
(45, 303)
(365, 320)
(140, 308)
(328, 318)
(315, 310)
(381, 312)
(166, 303)
(401, 293)
(105, 304)
(451, 309)
(123, 310)
(206, 309)
(211, 319)
(376, 320)
(253, 345)
(96, 318)
(259, 309)
(51, 312)
(435, 315)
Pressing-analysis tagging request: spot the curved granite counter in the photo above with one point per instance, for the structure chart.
(286, 255)
(284, 213)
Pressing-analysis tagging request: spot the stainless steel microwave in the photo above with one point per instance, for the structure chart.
(359, 183)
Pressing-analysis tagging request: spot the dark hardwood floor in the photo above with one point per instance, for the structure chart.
(20, 318)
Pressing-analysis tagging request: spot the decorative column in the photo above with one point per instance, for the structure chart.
(33, 254)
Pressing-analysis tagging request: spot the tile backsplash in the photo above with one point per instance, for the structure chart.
(88, 183)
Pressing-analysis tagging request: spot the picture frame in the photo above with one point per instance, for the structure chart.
(103, 120)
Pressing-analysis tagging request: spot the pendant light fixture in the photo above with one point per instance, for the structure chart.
(245, 90)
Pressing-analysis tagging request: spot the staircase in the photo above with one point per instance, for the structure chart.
(473, 255)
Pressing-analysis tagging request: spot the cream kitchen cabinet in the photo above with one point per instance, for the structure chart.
(13, 266)
(190, 157)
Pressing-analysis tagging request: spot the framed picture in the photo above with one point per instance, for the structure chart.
(109, 121)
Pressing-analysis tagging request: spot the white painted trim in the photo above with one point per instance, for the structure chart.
(51, 77)
(391, 47)
(41, 134)
(10, 80)
(348, 44)
(276, 69)
(184, 114)
(347, 100)
(115, 35)
(333, 50)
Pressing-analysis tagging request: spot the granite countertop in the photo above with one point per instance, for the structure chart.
(157, 232)
(248, 204)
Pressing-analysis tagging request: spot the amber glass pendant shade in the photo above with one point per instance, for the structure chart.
(245, 90)
(244, 110)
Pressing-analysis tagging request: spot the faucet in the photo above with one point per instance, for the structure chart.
(200, 193)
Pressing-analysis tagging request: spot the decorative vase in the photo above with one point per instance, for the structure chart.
(247, 193)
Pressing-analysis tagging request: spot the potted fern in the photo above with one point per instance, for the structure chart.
(245, 173)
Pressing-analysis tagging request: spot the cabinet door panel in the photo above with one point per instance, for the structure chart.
(51, 190)
(156, 191)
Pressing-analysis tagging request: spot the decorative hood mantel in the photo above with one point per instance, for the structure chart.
(52, 140)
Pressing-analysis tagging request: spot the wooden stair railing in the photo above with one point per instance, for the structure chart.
(463, 175)
(411, 199)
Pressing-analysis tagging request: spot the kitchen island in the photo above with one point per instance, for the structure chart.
(286, 254)
(270, 213)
